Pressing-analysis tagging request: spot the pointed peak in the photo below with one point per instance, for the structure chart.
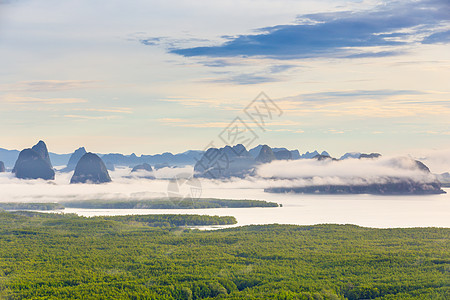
(265, 154)
(41, 149)
(80, 150)
(40, 144)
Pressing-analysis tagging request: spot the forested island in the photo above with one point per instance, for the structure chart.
(167, 203)
(54, 256)
(30, 206)
(162, 203)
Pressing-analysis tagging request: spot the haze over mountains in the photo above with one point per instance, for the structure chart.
(74, 158)
(282, 169)
(370, 175)
(189, 157)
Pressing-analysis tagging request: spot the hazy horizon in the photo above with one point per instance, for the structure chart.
(152, 76)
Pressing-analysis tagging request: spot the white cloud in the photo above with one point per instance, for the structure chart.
(126, 186)
(349, 171)
(438, 160)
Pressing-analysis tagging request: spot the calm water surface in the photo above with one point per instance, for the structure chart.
(363, 210)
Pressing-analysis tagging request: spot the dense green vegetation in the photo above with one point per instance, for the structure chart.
(54, 256)
(30, 206)
(172, 203)
(171, 220)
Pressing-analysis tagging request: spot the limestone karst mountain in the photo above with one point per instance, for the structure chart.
(31, 165)
(371, 155)
(236, 161)
(143, 171)
(110, 166)
(142, 167)
(279, 152)
(265, 155)
(90, 169)
(74, 158)
(41, 149)
(283, 154)
(225, 162)
(349, 155)
(324, 157)
(309, 154)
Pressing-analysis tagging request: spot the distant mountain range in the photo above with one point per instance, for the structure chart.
(190, 157)
(219, 163)
(9, 158)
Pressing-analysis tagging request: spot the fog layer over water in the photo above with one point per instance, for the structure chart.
(307, 172)
(363, 210)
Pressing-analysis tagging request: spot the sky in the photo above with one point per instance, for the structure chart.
(155, 76)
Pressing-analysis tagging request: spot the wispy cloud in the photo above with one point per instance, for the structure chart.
(335, 131)
(442, 37)
(275, 69)
(358, 94)
(84, 117)
(270, 72)
(191, 101)
(438, 160)
(349, 171)
(380, 32)
(122, 110)
(220, 63)
(367, 103)
(48, 85)
(207, 124)
(168, 42)
(188, 123)
(246, 79)
(21, 100)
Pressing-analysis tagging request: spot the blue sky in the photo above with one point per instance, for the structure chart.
(155, 76)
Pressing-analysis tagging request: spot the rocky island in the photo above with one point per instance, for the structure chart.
(90, 169)
(34, 163)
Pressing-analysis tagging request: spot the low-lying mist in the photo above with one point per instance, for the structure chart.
(438, 160)
(125, 186)
(345, 172)
(137, 186)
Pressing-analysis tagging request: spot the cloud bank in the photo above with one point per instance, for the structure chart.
(310, 172)
(286, 174)
(438, 160)
(380, 32)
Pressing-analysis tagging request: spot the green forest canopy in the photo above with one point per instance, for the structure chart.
(45, 256)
